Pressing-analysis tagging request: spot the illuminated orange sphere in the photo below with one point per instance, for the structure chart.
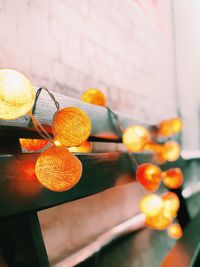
(169, 127)
(172, 178)
(158, 151)
(171, 204)
(94, 96)
(71, 126)
(171, 151)
(151, 205)
(58, 169)
(135, 138)
(149, 175)
(17, 94)
(158, 222)
(86, 147)
(175, 231)
(33, 144)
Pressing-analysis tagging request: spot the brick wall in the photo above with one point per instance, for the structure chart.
(124, 48)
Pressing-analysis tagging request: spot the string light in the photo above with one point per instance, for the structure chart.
(135, 138)
(172, 178)
(149, 175)
(86, 147)
(158, 222)
(171, 151)
(169, 127)
(17, 94)
(175, 231)
(94, 96)
(33, 144)
(57, 169)
(171, 204)
(71, 126)
(151, 205)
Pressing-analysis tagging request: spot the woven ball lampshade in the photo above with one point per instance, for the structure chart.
(17, 94)
(172, 178)
(171, 204)
(171, 151)
(169, 127)
(33, 144)
(158, 222)
(135, 138)
(58, 169)
(86, 147)
(175, 231)
(71, 126)
(94, 96)
(151, 205)
(149, 176)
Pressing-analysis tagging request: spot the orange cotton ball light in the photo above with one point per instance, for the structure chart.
(17, 94)
(169, 127)
(158, 222)
(71, 126)
(151, 205)
(149, 175)
(94, 96)
(171, 151)
(33, 144)
(171, 204)
(172, 178)
(175, 231)
(135, 138)
(86, 147)
(58, 169)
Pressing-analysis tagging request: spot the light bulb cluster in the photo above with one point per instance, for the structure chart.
(56, 168)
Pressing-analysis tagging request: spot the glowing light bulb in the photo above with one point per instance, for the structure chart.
(17, 94)
(169, 127)
(171, 151)
(94, 96)
(149, 175)
(151, 205)
(135, 138)
(172, 178)
(86, 147)
(175, 231)
(171, 204)
(71, 126)
(33, 144)
(158, 151)
(57, 169)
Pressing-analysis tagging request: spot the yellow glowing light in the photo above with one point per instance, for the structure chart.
(135, 138)
(33, 144)
(58, 169)
(151, 205)
(171, 204)
(175, 231)
(94, 96)
(71, 126)
(86, 147)
(169, 127)
(172, 178)
(17, 94)
(171, 151)
(158, 222)
(149, 175)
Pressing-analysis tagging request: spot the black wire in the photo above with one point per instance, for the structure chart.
(115, 124)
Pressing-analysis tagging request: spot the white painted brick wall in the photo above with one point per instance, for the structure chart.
(123, 47)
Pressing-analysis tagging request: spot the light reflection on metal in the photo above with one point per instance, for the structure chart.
(133, 224)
